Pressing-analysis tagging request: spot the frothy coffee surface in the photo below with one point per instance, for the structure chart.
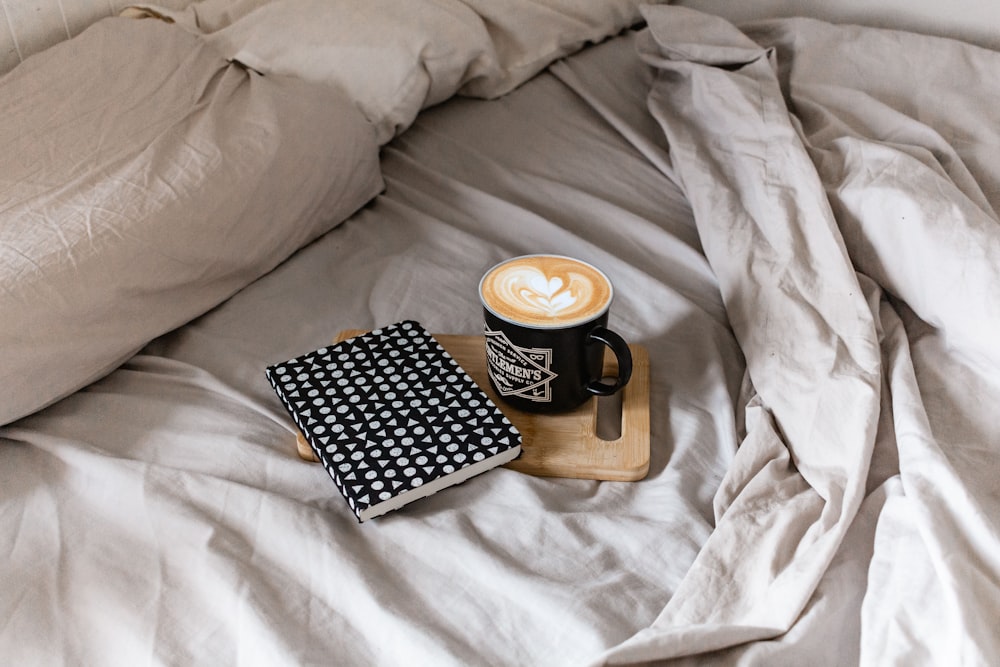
(545, 291)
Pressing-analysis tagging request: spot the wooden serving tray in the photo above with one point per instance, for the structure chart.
(565, 444)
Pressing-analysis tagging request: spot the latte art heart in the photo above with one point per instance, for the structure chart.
(547, 296)
(546, 290)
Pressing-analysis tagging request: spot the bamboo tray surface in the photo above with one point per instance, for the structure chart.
(566, 444)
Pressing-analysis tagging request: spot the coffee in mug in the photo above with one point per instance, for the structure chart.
(546, 331)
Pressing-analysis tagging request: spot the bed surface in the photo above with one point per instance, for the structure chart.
(818, 293)
(169, 497)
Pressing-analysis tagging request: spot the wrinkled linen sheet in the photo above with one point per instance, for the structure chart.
(822, 484)
(844, 185)
(162, 515)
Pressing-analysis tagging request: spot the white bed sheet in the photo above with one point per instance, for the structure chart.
(162, 515)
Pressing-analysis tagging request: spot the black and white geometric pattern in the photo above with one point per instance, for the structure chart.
(390, 411)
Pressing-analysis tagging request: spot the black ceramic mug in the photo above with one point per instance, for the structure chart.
(546, 332)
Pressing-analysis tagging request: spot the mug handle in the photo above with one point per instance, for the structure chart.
(622, 353)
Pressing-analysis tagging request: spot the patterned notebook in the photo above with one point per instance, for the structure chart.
(393, 417)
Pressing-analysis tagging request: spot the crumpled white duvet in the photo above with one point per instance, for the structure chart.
(847, 206)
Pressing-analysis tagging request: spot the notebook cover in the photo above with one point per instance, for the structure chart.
(393, 417)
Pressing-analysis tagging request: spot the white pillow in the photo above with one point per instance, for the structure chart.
(395, 57)
(143, 180)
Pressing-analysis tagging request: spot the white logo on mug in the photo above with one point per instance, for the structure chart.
(518, 371)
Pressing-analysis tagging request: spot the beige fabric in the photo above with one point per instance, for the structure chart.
(162, 515)
(847, 207)
(144, 179)
(974, 21)
(31, 26)
(395, 57)
(528, 36)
